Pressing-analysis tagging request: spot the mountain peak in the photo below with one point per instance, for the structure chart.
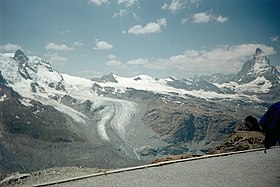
(20, 57)
(258, 66)
(258, 51)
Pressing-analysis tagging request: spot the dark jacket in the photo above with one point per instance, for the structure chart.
(270, 123)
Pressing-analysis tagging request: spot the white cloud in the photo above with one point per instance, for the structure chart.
(78, 44)
(138, 61)
(121, 13)
(10, 47)
(102, 45)
(223, 59)
(111, 57)
(55, 58)
(274, 38)
(174, 6)
(128, 3)
(202, 17)
(162, 22)
(221, 19)
(205, 17)
(113, 63)
(184, 20)
(152, 27)
(99, 2)
(164, 6)
(58, 47)
(194, 3)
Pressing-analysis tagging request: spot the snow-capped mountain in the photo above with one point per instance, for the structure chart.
(30, 75)
(120, 120)
(258, 66)
(256, 77)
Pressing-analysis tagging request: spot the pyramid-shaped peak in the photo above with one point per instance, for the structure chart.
(19, 53)
(256, 67)
(20, 56)
(258, 51)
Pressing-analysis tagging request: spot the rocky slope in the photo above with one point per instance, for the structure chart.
(115, 121)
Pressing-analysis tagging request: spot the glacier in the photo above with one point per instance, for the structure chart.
(134, 115)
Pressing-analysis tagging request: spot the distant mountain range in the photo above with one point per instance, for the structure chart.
(50, 119)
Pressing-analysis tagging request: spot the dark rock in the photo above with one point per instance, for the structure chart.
(259, 65)
(105, 78)
(2, 80)
(20, 57)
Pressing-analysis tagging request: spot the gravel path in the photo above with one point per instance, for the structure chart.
(52, 174)
(246, 169)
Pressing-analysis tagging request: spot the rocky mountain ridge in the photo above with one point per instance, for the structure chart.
(257, 77)
(115, 121)
(258, 66)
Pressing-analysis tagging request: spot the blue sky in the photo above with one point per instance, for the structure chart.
(130, 37)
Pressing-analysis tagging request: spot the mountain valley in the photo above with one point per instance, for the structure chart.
(49, 119)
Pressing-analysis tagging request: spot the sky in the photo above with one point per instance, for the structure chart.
(160, 38)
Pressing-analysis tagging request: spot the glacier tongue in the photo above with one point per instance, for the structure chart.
(34, 79)
(115, 121)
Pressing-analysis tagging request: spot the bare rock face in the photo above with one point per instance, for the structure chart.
(113, 121)
(20, 57)
(34, 136)
(2, 80)
(186, 125)
(259, 65)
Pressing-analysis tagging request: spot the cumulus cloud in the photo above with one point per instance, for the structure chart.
(10, 47)
(102, 45)
(174, 6)
(113, 62)
(138, 61)
(184, 20)
(55, 58)
(202, 17)
(58, 47)
(111, 57)
(194, 3)
(78, 44)
(99, 2)
(177, 5)
(222, 59)
(152, 27)
(205, 17)
(121, 13)
(221, 19)
(274, 38)
(128, 3)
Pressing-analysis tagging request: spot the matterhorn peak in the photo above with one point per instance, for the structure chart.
(258, 51)
(20, 57)
(258, 66)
